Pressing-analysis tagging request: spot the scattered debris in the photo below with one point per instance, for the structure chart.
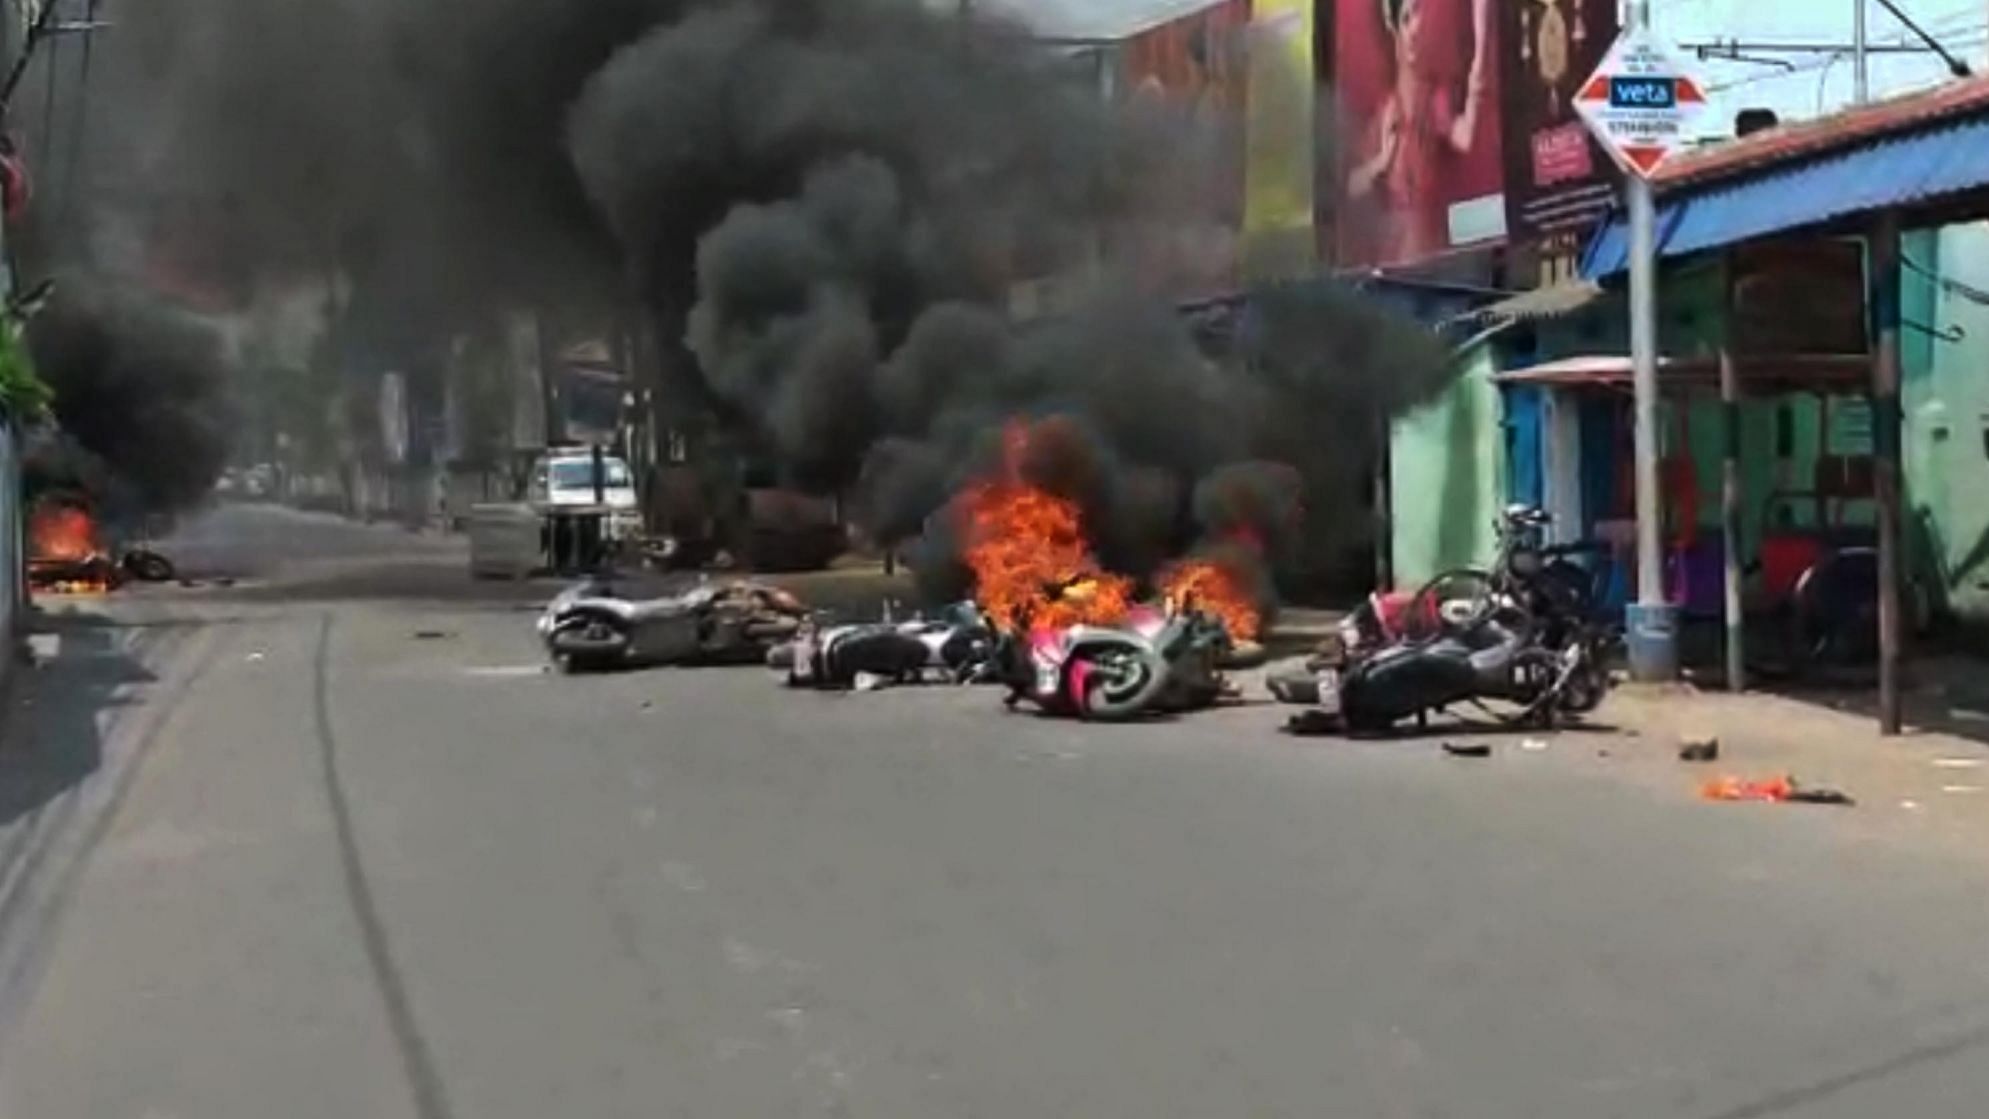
(1533, 745)
(1467, 749)
(433, 635)
(1910, 805)
(1957, 763)
(1313, 722)
(1780, 790)
(1699, 748)
(1821, 796)
(253, 657)
(1959, 789)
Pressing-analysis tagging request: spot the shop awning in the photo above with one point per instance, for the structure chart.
(1433, 304)
(1919, 152)
(1552, 302)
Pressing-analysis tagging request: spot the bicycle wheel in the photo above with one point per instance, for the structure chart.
(1455, 600)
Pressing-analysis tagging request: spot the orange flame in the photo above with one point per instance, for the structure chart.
(1028, 554)
(1215, 590)
(62, 534)
(65, 553)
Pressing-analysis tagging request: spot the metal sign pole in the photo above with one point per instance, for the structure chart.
(1653, 624)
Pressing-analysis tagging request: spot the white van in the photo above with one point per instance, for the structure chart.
(564, 479)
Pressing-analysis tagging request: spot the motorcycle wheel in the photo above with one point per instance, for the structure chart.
(1114, 684)
(149, 566)
(588, 646)
(1585, 688)
(1537, 687)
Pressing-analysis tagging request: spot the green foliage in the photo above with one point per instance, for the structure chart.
(23, 394)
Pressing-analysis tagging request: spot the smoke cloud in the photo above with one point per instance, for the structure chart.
(138, 387)
(860, 183)
(824, 203)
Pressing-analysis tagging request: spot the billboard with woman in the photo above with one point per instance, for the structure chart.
(1421, 168)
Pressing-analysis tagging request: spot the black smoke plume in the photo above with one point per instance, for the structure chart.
(858, 184)
(141, 389)
(821, 206)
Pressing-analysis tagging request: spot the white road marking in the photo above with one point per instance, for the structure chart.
(683, 876)
(505, 671)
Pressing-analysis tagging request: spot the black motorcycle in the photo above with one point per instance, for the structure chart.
(1498, 665)
(955, 647)
(1519, 641)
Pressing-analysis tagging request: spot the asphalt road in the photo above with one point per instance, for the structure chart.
(369, 860)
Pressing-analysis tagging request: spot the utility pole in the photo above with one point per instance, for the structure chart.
(1885, 258)
(1861, 73)
(1653, 621)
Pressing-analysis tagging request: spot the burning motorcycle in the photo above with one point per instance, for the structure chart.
(589, 626)
(1159, 660)
(956, 647)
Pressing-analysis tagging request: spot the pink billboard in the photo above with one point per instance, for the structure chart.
(1422, 162)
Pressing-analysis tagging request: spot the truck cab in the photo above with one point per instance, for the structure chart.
(564, 478)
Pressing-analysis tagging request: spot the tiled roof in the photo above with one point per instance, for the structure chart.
(1764, 150)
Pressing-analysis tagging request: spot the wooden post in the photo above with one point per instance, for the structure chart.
(1885, 445)
(1730, 488)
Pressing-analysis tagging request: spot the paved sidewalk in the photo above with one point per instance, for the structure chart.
(76, 727)
(1922, 786)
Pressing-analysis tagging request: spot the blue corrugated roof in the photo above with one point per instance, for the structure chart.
(1891, 172)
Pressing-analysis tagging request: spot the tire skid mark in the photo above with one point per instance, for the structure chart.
(425, 1086)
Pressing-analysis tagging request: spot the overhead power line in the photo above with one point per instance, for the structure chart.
(1961, 38)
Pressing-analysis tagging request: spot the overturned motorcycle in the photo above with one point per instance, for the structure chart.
(1497, 663)
(954, 647)
(591, 627)
(1160, 661)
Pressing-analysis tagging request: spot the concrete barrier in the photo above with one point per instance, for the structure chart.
(506, 541)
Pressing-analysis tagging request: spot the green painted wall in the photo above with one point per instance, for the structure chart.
(1946, 400)
(1447, 479)
(1448, 458)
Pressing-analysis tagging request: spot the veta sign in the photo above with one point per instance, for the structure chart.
(1639, 102)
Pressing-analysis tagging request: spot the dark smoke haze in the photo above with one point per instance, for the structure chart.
(139, 390)
(824, 202)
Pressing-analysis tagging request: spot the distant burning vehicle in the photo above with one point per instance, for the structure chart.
(66, 551)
